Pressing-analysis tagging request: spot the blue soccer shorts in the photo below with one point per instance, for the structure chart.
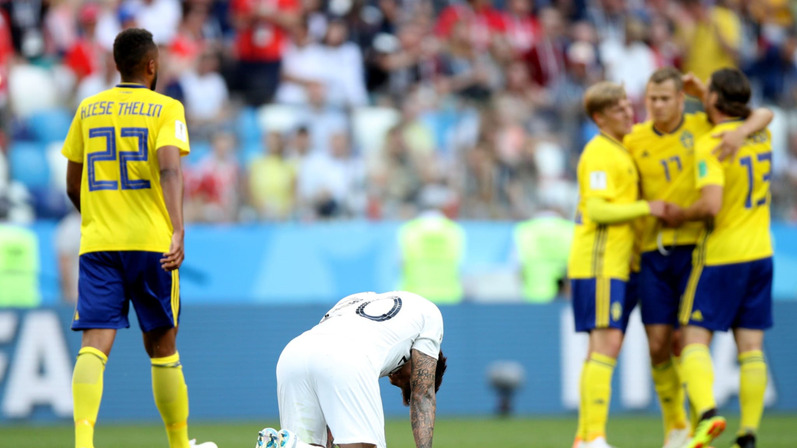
(663, 279)
(602, 302)
(729, 296)
(109, 281)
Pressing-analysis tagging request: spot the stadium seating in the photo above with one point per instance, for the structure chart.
(247, 128)
(29, 165)
(49, 125)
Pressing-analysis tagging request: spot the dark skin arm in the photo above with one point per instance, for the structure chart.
(74, 177)
(171, 178)
(423, 403)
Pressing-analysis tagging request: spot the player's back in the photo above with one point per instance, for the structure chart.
(383, 327)
(741, 230)
(666, 169)
(115, 135)
(605, 170)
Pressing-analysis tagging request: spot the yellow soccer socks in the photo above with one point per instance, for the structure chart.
(597, 391)
(671, 395)
(87, 393)
(752, 385)
(698, 374)
(171, 398)
(694, 418)
(582, 408)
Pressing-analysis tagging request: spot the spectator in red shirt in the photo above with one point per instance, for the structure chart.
(546, 59)
(522, 29)
(213, 186)
(6, 53)
(262, 33)
(484, 22)
(85, 56)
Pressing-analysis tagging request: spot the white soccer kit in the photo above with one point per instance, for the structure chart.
(329, 375)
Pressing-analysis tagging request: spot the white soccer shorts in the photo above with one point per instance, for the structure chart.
(320, 385)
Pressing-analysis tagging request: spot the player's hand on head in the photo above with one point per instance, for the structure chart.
(174, 258)
(693, 86)
(729, 145)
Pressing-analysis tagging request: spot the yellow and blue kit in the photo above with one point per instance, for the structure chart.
(666, 167)
(731, 281)
(125, 225)
(600, 256)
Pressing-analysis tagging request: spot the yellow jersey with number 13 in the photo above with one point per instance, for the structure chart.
(605, 170)
(740, 232)
(116, 135)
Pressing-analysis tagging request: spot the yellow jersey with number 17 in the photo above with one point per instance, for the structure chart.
(116, 135)
(605, 170)
(666, 165)
(740, 231)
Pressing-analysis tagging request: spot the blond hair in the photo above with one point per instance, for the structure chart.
(601, 96)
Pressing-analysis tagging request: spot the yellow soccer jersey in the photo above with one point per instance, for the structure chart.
(605, 170)
(115, 135)
(666, 166)
(740, 231)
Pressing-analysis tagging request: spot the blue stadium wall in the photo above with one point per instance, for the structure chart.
(248, 290)
(229, 353)
(298, 263)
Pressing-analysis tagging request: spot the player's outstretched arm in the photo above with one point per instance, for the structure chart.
(707, 207)
(604, 212)
(74, 177)
(731, 141)
(423, 401)
(171, 174)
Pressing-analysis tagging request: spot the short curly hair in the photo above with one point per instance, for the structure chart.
(131, 49)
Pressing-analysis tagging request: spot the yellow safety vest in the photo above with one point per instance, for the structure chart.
(432, 248)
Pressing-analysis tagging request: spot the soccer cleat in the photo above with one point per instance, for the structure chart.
(287, 439)
(677, 438)
(707, 430)
(578, 443)
(599, 442)
(192, 443)
(268, 438)
(745, 441)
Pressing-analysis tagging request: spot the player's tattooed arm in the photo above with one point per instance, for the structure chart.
(423, 402)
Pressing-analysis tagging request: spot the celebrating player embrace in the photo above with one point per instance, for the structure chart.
(663, 149)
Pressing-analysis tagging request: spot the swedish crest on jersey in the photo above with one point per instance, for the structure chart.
(687, 139)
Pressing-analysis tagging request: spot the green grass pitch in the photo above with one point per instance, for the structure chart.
(777, 431)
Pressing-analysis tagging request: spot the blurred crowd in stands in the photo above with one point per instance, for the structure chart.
(376, 109)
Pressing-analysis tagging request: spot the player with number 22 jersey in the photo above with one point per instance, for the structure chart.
(115, 135)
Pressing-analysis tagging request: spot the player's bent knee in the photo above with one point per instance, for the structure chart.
(660, 350)
(606, 341)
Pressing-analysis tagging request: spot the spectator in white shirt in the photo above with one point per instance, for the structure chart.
(344, 68)
(331, 185)
(630, 62)
(160, 17)
(205, 92)
(302, 67)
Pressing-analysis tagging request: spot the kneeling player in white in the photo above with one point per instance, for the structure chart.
(328, 377)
